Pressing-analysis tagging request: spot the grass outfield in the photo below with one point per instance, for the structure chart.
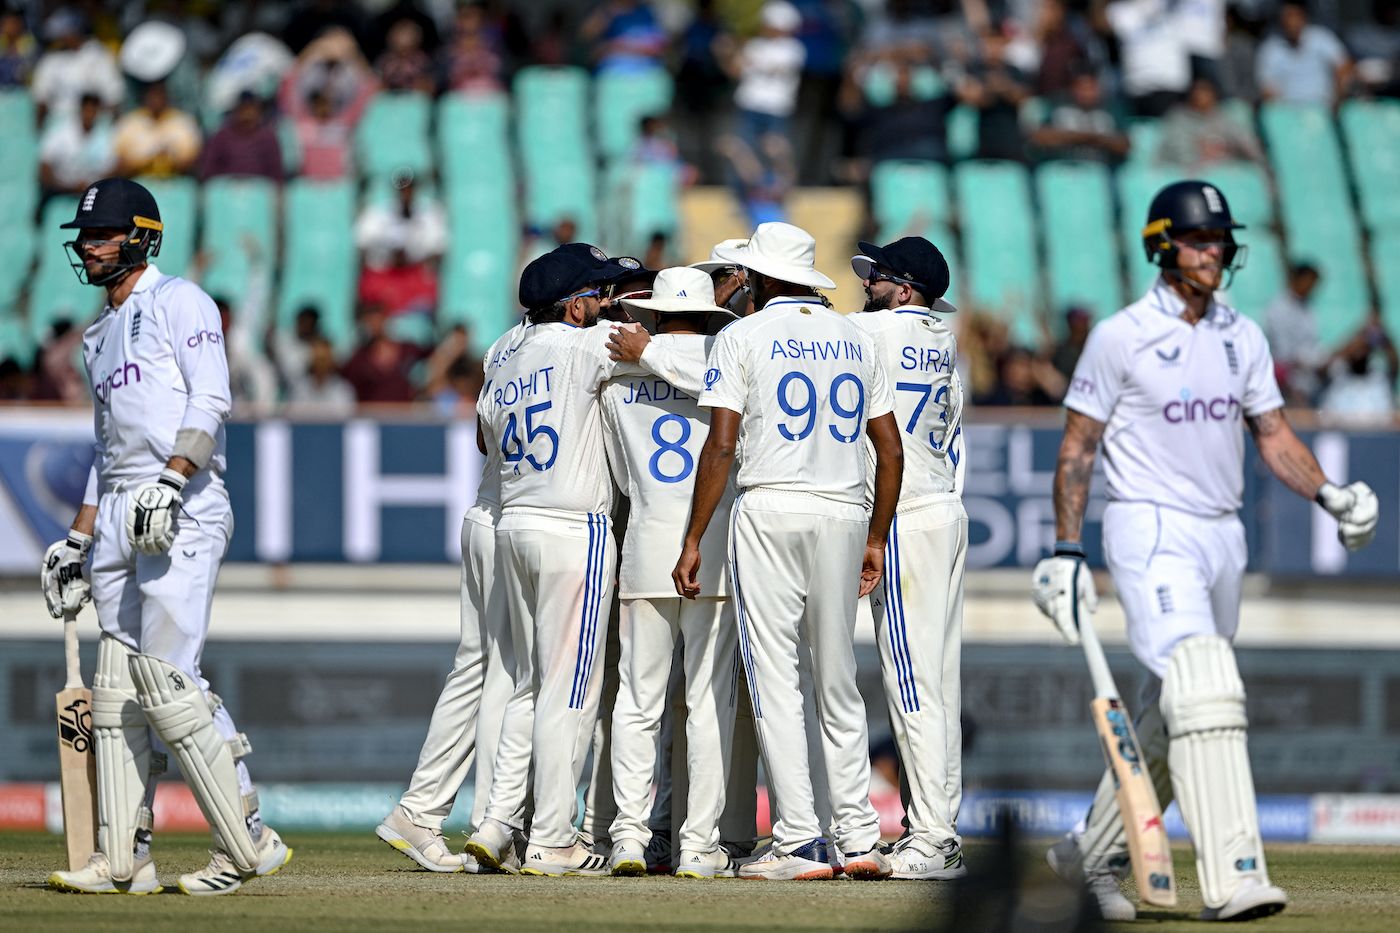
(351, 882)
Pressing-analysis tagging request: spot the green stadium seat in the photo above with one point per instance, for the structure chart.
(561, 188)
(1307, 160)
(176, 198)
(1385, 262)
(1372, 130)
(393, 134)
(1263, 276)
(1144, 134)
(240, 214)
(551, 110)
(620, 102)
(473, 136)
(1342, 300)
(962, 132)
(478, 287)
(999, 243)
(55, 292)
(16, 238)
(318, 256)
(925, 83)
(907, 195)
(1246, 186)
(640, 200)
(19, 154)
(1081, 252)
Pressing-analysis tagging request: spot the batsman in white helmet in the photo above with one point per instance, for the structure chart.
(1164, 385)
(155, 525)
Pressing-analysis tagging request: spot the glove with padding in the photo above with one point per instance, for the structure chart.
(1356, 510)
(61, 574)
(150, 513)
(1063, 587)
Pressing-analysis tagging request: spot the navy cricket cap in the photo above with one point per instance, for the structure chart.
(913, 259)
(562, 271)
(116, 202)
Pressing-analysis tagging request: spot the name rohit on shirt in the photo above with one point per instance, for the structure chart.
(1200, 409)
(794, 349)
(653, 390)
(128, 373)
(536, 383)
(926, 359)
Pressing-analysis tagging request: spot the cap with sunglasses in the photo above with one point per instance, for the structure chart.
(563, 271)
(913, 261)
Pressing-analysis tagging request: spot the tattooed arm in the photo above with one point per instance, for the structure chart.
(1073, 472)
(1287, 457)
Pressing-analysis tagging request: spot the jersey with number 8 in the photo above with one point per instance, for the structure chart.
(806, 381)
(654, 435)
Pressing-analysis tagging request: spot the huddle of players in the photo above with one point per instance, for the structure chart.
(737, 590)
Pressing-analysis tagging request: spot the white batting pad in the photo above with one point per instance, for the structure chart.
(182, 716)
(1203, 704)
(123, 747)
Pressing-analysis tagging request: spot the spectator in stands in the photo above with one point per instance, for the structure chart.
(455, 376)
(16, 385)
(1082, 128)
(1026, 379)
(325, 94)
(246, 144)
(252, 378)
(1078, 323)
(376, 36)
(626, 36)
(1197, 134)
(57, 378)
(291, 352)
(1155, 61)
(996, 89)
(702, 88)
(401, 240)
(75, 63)
(1361, 377)
(18, 49)
(404, 66)
(316, 18)
(1201, 24)
(908, 127)
(1241, 51)
(1063, 50)
(472, 63)
(75, 151)
(155, 138)
(379, 368)
(1302, 63)
(1291, 328)
(318, 388)
(1375, 43)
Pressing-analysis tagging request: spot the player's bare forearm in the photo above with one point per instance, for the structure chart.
(86, 520)
(1073, 472)
(889, 475)
(712, 474)
(182, 466)
(1286, 456)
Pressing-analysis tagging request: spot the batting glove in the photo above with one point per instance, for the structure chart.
(1063, 587)
(61, 574)
(1356, 510)
(150, 514)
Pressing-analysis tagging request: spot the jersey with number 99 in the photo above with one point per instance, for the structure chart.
(806, 381)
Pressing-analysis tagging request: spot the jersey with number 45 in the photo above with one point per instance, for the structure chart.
(919, 353)
(806, 381)
(654, 433)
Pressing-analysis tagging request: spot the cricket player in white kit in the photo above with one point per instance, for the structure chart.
(917, 605)
(1164, 385)
(655, 432)
(155, 524)
(555, 556)
(793, 388)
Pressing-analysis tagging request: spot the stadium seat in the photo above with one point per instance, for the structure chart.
(1385, 262)
(318, 256)
(1081, 252)
(999, 243)
(240, 217)
(908, 195)
(473, 136)
(478, 287)
(393, 134)
(962, 132)
(551, 105)
(1144, 135)
(621, 99)
(1246, 186)
(640, 201)
(1372, 130)
(16, 237)
(176, 199)
(1137, 184)
(1307, 160)
(558, 189)
(1263, 276)
(1342, 300)
(19, 155)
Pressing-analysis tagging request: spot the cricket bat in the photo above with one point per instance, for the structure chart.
(77, 763)
(1148, 847)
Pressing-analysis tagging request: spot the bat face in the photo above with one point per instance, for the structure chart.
(77, 773)
(1137, 803)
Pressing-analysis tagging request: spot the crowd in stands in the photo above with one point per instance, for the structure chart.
(768, 96)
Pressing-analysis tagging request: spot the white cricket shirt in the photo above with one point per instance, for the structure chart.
(1174, 397)
(155, 364)
(654, 433)
(806, 381)
(919, 353)
(488, 491)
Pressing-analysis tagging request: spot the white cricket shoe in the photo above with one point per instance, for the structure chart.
(911, 863)
(492, 845)
(1066, 860)
(421, 844)
(628, 859)
(716, 864)
(576, 859)
(222, 876)
(866, 866)
(660, 852)
(809, 863)
(1104, 888)
(96, 878)
(1252, 900)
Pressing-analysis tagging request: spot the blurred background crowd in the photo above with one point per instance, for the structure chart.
(359, 184)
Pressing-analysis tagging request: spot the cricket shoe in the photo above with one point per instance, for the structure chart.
(1104, 888)
(421, 844)
(1252, 900)
(628, 859)
(96, 878)
(866, 866)
(576, 859)
(222, 876)
(660, 852)
(493, 846)
(809, 863)
(910, 862)
(716, 864)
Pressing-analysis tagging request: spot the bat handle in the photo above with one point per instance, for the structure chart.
(1093, 653)
(70, 651)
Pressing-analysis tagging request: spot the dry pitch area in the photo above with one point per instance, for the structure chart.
(352, 882)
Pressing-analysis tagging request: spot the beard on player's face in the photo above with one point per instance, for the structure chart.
(882, 303)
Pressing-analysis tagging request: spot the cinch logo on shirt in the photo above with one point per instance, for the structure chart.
(102, 389)
(1081, 385)
(1200, 409)
(202, 337)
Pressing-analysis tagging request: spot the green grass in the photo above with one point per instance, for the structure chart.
(351, 882)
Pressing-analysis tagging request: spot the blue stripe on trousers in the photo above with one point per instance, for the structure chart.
(580, 682)
(741, 617)
(904, 622)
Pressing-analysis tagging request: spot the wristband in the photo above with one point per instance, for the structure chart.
(1069, 549)
(79, 542)
(173, 478)
(1323, 492)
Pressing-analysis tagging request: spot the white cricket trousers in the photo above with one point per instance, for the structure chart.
(649, 631)
(917, 608)
(466, 722)
(795, 564)
(557, 572)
